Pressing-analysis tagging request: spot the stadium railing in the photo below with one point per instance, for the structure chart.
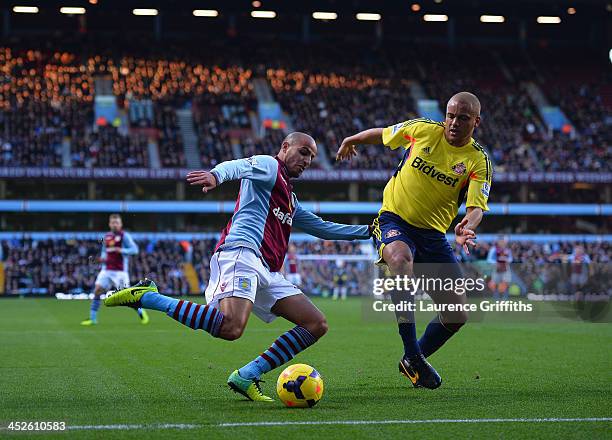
(309, 175)
(228, 206)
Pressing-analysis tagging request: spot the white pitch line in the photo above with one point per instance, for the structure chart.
(127, 427)
(414, 422)
(133, 427)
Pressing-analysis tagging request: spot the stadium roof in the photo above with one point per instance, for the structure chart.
(577, 21)
(338, 5)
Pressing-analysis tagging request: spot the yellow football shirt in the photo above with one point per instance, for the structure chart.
(433, 178)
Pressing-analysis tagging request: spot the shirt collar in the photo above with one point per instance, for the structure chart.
(284, 168)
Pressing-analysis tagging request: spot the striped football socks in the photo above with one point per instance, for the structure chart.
(280, 352)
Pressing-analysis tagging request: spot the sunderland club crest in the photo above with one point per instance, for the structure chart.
(459, 169)
(392, 233)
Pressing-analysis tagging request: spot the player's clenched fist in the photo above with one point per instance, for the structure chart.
(206, 179)
(347, 150)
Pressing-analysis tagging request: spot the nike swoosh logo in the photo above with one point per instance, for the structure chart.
(140, 289)
(414, 378)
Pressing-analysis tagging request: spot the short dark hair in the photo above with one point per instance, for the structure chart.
(112, 216)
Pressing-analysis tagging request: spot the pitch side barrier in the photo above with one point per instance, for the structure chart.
(227, 207)
(312, 175)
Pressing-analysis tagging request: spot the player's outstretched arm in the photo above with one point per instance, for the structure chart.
(257, 168)
(205, 179)
(347, 150)
(314, 225)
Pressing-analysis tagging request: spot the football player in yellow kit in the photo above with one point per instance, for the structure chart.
(442, 164)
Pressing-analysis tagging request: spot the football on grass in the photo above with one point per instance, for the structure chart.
(300, 386)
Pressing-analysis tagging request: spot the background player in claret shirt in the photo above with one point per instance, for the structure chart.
(500, 256)
(580, 267)
(442, 164)
(291, 267)
(116, 248)
(245, 268)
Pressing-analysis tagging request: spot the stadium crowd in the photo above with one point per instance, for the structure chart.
(106, 147)
(561, 268)
(43, 98)
(71, 265)
(47, 100)
(541, 253)
(214, 140)
(332, 106)
(171, 151)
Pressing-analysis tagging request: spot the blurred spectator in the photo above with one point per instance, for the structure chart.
(70, 266)
(47, 102)
(108, 148)
(332, 106)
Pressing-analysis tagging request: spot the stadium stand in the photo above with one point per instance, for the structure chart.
(49, 97)
(333, 106)
(106, 147)
(70, 265)
(170, 140)
(44, 97)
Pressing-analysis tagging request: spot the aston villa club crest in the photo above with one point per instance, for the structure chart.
(459, 169)
(244, 283)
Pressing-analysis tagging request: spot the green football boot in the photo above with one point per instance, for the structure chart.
(130, 296)
(247, 387)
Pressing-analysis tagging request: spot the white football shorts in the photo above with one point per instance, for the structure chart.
(294, 278)
(241, 273)
(502, 277)
(113, 279)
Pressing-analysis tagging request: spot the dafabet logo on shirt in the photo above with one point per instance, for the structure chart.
(284, 217)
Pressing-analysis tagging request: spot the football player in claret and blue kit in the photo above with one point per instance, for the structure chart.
(245, 269)
(117, 247)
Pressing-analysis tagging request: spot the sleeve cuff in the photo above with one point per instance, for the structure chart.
(473, 205)
(385, 136)
(216, 176)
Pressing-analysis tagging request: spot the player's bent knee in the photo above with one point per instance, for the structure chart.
(455, 322)
(318, 327)
(455, 327)
(321, 328)
(230, 331)
(400, 263)
(230, 334)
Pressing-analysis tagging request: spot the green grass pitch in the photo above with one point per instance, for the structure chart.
(123, 373)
